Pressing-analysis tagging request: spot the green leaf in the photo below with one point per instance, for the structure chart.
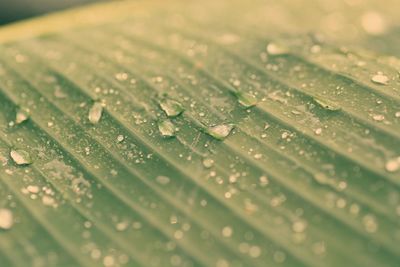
(285, 148)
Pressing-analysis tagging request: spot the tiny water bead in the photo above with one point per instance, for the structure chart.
(120, 138)
(95, 112)
(220, 131)
(393, 165)
(21, 116)
(227, 231)
(6, 219)
(380, 79)
(20, 157)
(327, 104)
(378, 117)
(166, 128)
(247, 100)
(275, 49)
(208, 163)
(172, 108)
(318, 131)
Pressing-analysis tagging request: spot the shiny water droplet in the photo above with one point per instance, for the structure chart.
(166, 128)
(378, 117)
(227, 231)
(6, 219)
(370, 223)
(264, 181)
(257, 156)
(95, 112)
(373, 23)
(318, 131)
(20, 157)
(220, 131)
(276, 49)
(21, 116)
(171, 107)
(327, 104)
(380, 79)
(247, 100)
(255, 251)
(393, 165)
(121, 76)
(208, 163)
(299, 226)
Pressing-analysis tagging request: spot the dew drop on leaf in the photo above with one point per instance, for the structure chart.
(171, 107)
(208, 163)
(378, 117)
(246, 99)
(120, 138)
(227, 231)
(21, 116)
(276, 49)
(220, 131)
(318, 131)
(380, 79)
(393, 165)
(166, 128)
(20, 157)
(6, 219)
(95, 112)
(299, 226)
(326, 104)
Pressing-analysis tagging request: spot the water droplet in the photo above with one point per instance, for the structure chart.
(247, 100)
(370, 223)
(33, 189)
(393, 165)
(120, 138)
(299, 226)
(373, 23)
(321, 178)
(20, 157)
(257, 156)
(6, 219)
(380, 79)
(108, 261)
(276, 50)
(171, 107)
(378, 117)
(121, 76)
(318, 131)
(95, 112)
(162, 179)
(21, 116)
(220, 131)
(208, 163)
(122, 226)
(166, 128)
(48, 201)
(327, 104)
(227, 231)
(264, 181)
(255, 251)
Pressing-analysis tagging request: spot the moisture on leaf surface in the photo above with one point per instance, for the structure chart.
(206, 133)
